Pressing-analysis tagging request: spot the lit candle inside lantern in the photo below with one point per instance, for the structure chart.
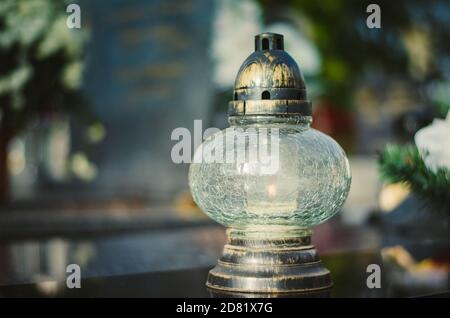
(271, 191)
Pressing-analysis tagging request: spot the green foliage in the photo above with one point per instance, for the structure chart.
(442, 108)
(404, 164)
(41, 63)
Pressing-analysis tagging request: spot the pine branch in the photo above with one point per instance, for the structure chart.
(404, 164)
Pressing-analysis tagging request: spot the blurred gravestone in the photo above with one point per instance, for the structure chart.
(148, 72)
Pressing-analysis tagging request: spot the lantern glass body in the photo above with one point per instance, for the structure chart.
(309, 186)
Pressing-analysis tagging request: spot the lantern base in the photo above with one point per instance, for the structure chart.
(269, 261)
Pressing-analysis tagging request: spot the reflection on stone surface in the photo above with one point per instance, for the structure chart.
(175, 263)
(46, 259)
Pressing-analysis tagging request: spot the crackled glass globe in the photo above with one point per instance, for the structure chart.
(269, 178)
(308, 186)
(307, 177)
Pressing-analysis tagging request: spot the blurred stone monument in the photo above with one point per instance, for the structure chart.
(148, 71)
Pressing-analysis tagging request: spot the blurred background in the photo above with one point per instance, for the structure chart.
(86, 116)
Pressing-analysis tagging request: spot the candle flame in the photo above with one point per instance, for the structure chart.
(271, 191)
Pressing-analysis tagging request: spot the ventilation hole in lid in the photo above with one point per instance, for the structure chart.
(265, 44)
(265, 95)
(279, 44)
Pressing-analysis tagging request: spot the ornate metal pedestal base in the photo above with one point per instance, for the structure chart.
(269, 262)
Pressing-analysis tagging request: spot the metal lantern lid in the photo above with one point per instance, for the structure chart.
(269, 82)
